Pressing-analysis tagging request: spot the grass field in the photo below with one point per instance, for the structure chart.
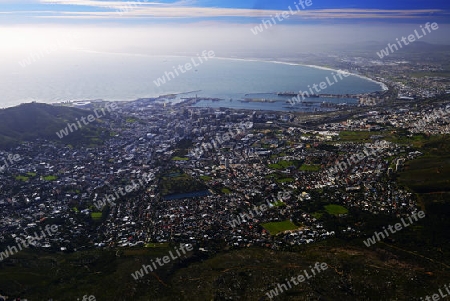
(179, 159)
(285, 180)
(22, 178)
(429, 178)
(226, 190)
(307, 167)
(278, 204)
(427, 174)
(335, 209)
(276, 227)
(282, 164)
(279, 178)
(96, 215)
(431, 172)
(419, 74)
(357, 136)
(416, 140)
(175, 181)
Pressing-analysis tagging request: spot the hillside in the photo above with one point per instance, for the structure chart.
(354, 273)
(31, 121)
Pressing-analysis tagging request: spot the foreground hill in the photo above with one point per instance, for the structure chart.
(31, 121)
(354, 273)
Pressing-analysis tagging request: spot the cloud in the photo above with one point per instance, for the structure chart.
(18, 1)
(189, 9)
(182, 10)
(116, 4)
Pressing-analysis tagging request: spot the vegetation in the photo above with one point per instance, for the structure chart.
(354, 273)
(285, 180)
(306, 167)
(279, 178)
(335, 209)
(226, 190)
(50, 178)
(206, 178)
(278, 204)
(396, 136)
(357, 136)
(176, 181)
(182, 148)
(276, 227)
(283, 164)
(96, 215)
(176, 158)
(429, 178)
(30, 121)
(431, 172)
(317, 215)
(21, 178)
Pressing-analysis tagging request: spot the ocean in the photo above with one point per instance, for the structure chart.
(89, 75)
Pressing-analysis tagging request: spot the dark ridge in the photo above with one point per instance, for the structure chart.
(31, 121)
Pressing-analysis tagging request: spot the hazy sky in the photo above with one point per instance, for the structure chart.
(189, 26)
(54, 50)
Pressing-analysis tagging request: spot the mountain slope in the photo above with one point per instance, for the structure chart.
(31, 121)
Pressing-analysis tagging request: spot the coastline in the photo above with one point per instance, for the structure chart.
(381, 84)
(55, 100)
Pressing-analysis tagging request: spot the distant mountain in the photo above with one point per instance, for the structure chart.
(30, 121)
(411, 47)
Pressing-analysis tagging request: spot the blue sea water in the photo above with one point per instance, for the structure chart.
(121, 76)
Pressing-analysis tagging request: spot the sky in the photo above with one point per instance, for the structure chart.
(239, 11)
(228, 27)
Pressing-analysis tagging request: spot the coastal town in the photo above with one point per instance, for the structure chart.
(145, 178)
(224, 150)
(271, 160)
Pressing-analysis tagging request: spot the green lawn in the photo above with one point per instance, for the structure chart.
(50, 178)
(226, 190)
(430, 172)
(278, 204)
(276, 227)
(283, 164)
(357, 136)
(335, 209)
(307, 167)
(96, 215)
(285, 180)
(317, 215)
(21, 178)
(179, 159)
(279, 178)
(399, 137)
(176, 181)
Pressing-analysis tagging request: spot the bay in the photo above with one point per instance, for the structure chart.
(89, 75)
